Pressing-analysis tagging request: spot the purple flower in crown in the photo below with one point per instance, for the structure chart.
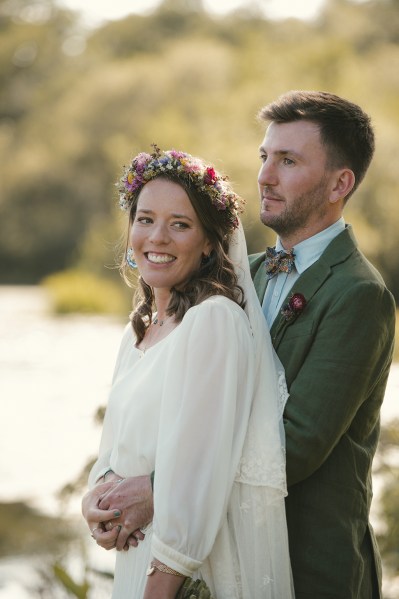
(137, 183)
(133, 182)
(129, 182)
(296, 304)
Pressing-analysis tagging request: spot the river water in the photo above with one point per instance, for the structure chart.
(54, 374)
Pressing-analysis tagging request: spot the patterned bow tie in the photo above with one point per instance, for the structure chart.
(278, 262)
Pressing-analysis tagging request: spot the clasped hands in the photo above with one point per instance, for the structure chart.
(117, 510)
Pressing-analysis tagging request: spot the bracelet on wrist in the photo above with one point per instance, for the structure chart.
(162, 568)
(105, 474)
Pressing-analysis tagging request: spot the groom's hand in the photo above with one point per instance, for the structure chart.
(133, 497)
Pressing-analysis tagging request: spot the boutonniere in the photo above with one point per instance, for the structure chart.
(296, 304)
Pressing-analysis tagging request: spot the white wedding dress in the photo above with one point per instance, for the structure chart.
(203, 409)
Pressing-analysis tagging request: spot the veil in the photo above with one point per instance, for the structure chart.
(257, 509)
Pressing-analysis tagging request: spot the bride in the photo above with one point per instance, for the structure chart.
(197, 396)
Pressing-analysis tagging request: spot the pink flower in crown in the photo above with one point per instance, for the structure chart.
(141, 162)
(210, 176)
(142, 158)
(177, 155)
(296, 304)
(222, 202)
(192, 167)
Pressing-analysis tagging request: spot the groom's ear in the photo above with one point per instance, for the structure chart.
(343, 183)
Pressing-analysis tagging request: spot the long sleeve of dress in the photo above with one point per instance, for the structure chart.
(206, 402)
(107, 438)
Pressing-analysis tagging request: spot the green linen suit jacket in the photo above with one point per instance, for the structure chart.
(337, 353)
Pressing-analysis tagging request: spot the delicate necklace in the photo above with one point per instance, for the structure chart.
(156, 321)
(160, 322)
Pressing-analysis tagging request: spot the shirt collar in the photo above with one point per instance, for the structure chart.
(310, 250)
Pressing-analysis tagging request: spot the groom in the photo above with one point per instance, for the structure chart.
(332, 324)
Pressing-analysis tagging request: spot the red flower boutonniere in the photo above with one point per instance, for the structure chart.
(294, 307)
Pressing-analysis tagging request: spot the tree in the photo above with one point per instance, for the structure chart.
(181, 78)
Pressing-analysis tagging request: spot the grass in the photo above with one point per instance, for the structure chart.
(78, 291)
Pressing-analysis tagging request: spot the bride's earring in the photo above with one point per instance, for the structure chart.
(130, 258)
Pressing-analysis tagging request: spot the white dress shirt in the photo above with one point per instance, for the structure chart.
(307, 252)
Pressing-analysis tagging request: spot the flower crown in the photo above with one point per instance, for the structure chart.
(191, 170)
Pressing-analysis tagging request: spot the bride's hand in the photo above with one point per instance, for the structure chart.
(132, 539)
(106, 538)
(96, 517)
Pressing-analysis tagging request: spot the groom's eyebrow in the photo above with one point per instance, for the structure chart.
(280, 152)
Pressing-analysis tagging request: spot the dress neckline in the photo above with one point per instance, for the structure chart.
(145, 351)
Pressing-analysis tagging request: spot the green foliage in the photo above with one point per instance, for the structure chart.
(178, 77)
(26, 531)
(77, 590)
(56, 581)
(396, 349)
(388, 468)
(79, 291)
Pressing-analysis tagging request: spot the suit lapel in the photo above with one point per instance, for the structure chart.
(314, 277)
(260, 280)
(308, 284)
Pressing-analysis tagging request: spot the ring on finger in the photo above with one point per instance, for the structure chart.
(94, 530)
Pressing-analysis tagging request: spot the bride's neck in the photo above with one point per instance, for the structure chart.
(162, 299)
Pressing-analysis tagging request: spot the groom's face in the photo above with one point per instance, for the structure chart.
(294, 181)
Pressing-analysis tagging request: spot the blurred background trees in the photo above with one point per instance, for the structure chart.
(76, 105)
(387, 466)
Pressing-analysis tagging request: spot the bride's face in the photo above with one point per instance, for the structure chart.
(166, 236)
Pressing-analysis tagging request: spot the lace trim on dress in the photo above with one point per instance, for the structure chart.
(282, 392)
(261, 469)
(259, 466)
